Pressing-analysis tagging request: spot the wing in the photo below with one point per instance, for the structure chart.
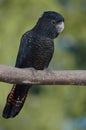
(24, 53)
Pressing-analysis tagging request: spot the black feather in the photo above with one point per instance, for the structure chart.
(36, 50)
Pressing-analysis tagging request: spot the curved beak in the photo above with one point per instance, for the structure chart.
(60, 27)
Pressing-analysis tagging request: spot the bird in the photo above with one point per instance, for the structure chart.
(35, 51)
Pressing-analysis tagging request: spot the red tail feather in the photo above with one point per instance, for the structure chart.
(15, 100)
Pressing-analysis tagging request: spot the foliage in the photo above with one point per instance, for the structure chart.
(53, 104)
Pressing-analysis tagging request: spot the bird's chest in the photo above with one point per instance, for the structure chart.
(42, 52)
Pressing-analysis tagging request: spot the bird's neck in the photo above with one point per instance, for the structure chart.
(44, 31)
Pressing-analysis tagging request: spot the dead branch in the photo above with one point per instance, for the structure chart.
(31, 76)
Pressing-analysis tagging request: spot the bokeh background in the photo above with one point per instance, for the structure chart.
(46, 107)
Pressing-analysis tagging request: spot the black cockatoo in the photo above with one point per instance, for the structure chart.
(36, 50)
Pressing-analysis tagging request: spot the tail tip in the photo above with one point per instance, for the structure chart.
(6, 111)
(10, 111)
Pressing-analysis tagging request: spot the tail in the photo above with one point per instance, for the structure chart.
(15, 100)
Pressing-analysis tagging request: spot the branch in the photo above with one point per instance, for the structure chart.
(31, 76)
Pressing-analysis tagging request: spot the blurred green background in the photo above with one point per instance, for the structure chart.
(46, 107)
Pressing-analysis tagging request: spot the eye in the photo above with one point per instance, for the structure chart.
(53, 22)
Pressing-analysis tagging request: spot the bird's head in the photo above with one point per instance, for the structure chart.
(51, 24)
